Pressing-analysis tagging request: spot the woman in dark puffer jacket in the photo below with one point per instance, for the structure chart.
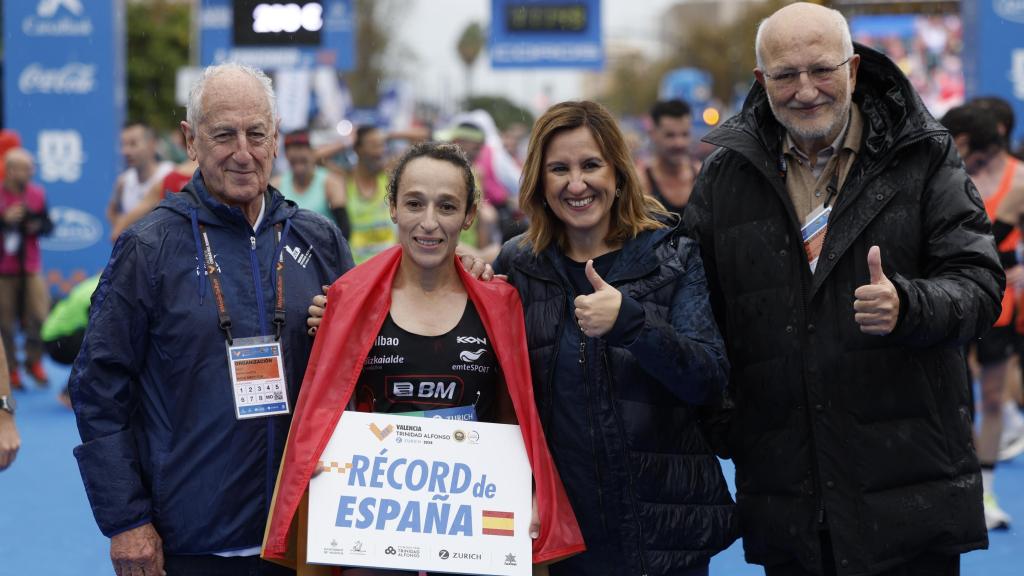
(623, 350)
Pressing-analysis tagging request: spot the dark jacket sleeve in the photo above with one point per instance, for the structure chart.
(958, 296)
(104, 390)
(685, 351)
(718, 416)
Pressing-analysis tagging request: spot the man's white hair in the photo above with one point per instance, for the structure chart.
(194, 112)
(838, 20)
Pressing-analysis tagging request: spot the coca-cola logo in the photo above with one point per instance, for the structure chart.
(73, 78)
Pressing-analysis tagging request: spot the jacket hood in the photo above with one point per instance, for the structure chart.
(893, 112)
(210, 211)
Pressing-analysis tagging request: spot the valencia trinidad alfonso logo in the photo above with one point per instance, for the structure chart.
(382, 434)
(498, 523)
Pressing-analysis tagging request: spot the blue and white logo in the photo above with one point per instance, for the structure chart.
(58, 18)
(73, 229)
(72, 78)
(1012, 10)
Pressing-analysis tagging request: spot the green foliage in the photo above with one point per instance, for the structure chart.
(470, 43)
(158, 35)
(373, 38)
(503, 110)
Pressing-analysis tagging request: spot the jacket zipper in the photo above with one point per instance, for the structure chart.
(590, 429)
(258, 285)
(629, 477)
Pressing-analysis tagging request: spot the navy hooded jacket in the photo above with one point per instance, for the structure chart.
(151, 386)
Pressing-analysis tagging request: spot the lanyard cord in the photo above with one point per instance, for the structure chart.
(213, 272)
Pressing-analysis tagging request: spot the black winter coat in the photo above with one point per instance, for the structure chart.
(867, 436)
(646, 487)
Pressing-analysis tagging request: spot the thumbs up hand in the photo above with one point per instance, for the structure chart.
(596, 313)
(876, 305)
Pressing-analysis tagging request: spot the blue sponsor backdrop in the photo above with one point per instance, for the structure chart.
(546, 34)
(64, 92)
(994, 52)
(336, 49)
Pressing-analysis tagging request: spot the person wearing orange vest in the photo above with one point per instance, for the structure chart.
(1000, 181)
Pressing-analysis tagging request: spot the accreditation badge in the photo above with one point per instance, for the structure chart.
(257, 377)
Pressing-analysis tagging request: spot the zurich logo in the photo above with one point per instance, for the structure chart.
(1012, 10)
(73, 229)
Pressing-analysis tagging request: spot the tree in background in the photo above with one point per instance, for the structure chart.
(469, 46)
(504, 112)
(158, 35)
(725, 50)
(375, 24)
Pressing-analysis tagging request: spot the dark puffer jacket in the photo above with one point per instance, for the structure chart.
(646, 488)
(867, 436)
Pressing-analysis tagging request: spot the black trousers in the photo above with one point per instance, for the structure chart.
(923, 565)
(221, 566)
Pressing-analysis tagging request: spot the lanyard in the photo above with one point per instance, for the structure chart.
(213, 272)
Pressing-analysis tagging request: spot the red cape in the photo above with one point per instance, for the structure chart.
(360, 301)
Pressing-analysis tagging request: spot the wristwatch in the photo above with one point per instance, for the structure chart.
(8, 404)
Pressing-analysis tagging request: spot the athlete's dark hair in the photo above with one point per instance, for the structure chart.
(361, 133)
(1002, 110)
(980, 125)
(674, 108)
(444, 151)
(146, 128)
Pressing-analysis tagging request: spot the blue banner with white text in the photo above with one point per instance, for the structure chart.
(546, 34)
(64, 93)
(994, 53)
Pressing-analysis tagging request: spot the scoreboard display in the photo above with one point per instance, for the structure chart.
(529, 17)
(264, 23)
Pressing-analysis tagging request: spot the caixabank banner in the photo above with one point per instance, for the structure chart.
(422, 494)
(64, 93)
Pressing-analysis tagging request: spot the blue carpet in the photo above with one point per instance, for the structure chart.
(47, 526)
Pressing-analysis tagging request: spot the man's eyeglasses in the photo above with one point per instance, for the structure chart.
(817, 74)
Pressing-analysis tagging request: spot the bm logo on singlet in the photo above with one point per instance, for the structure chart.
(426, 389)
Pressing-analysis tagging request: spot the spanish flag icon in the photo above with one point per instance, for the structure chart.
(498, 523)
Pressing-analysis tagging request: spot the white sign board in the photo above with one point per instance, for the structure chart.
(422, 494)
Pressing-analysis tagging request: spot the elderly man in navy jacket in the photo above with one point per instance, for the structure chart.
(196, 347)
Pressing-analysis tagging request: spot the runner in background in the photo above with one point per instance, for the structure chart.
(1012, 442)
(365, 185)
(173, 182)
(311, 186)
(138, 146)
(670, 176)
(483, 238)
(1001, 185)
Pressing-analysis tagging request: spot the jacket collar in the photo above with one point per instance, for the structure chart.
(210, 211)
(637, 258)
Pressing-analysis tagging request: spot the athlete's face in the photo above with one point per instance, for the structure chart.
(430, 210)
(302, 162)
